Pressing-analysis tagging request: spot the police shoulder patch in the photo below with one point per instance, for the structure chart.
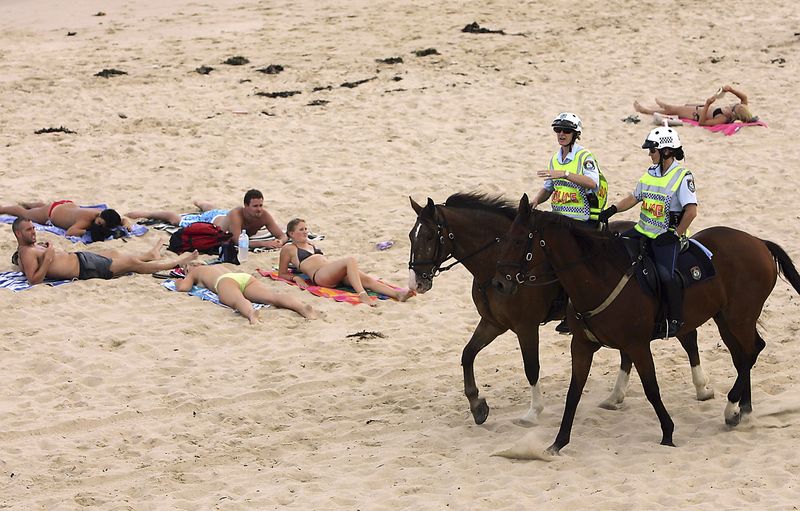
(588, 165)
(690, 184)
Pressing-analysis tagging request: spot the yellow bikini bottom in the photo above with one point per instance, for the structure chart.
(241, 278)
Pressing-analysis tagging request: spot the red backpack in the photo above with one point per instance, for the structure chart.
(201, 236)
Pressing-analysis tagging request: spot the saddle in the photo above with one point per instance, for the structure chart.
(693, 265)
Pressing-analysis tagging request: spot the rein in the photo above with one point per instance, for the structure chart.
(436, 263)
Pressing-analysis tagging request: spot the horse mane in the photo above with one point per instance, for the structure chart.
(481, 201)
(586, 235)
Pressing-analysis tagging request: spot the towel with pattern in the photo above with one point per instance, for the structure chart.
(136, 230)
(340, 294)
(728, 129)
(17, 281)
(207, 294)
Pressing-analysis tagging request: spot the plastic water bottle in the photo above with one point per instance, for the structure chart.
(244, 247)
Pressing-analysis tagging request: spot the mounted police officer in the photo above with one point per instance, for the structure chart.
(669, 205)
(573, 181)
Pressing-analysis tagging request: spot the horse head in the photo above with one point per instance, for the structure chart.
(517, 252)
(431, 245)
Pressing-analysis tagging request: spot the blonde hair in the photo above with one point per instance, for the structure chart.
(742, 113)
(293, 223)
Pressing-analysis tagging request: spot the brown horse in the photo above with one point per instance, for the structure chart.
(467, 228)
(608, 309)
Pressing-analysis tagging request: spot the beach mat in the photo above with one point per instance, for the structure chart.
(136, 229)
(17, 281)
(728, 129)
(207, 295)
(340, 294)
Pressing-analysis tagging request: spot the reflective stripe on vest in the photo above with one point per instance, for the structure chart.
(657, 196)
(569, 199)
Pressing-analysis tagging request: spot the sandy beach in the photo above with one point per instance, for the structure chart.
(122, 395)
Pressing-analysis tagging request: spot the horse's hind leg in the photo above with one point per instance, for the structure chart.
(617, 396)
(529, 345)
(483, 335)
(643, 360)
(744, 344)
(699, 377)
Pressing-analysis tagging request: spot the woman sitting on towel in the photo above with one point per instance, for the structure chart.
(307, 258)
(239, 291)
(703, 114)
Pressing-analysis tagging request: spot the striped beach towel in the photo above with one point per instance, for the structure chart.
(207, 295)
(17, 281)
(136, 230)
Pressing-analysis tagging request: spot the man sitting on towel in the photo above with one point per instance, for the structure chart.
(40, 261)
(250, 217)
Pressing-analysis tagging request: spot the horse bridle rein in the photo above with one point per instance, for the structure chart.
(436, 264)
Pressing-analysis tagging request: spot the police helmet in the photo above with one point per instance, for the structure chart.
(569, 121)
(662, 137)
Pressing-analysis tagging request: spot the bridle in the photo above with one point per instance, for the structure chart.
(442, 234)
(523, 277)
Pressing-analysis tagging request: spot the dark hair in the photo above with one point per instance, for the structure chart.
(666, 152)
(99, 232)
(252, 194)
(111, 218)
(15, 227)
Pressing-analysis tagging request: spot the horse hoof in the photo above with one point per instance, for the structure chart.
(480, 412)
(733, 414)
(705, 394)
(611, 404)
(668, 443)
(553, 450)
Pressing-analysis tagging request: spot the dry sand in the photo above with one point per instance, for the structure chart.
(121, 395)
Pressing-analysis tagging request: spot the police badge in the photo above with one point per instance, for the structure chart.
(696, 273)
(690, 184)
(588, 165)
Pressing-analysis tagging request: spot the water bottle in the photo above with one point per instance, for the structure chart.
(244, 247)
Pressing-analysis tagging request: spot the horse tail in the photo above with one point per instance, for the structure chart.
(785, 264)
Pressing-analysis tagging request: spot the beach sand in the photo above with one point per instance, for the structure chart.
(122, 395)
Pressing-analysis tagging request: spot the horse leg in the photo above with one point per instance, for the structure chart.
(614, 401)
(739, 397)
(699, 377)
(529, 345)
(483, 335)
(582, 352)
(643, 360)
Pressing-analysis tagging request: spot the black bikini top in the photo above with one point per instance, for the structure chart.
(303, 254)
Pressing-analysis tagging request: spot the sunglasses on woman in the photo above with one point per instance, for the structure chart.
(563, 130)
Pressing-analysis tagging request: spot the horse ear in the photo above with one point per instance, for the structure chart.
(524, 204)
(416, 207)
(430, 204)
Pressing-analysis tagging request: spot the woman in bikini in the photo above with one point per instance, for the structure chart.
(71, 217)
(703, 114)
(239, 291)
(304, 256)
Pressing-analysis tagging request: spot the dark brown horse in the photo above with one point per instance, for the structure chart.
(607, 309)
(467, 228)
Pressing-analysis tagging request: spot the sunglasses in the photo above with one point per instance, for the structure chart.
(563, 130)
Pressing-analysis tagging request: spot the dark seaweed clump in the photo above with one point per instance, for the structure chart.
(204, 70)
(271, 69)
(426, 52)
(60, 129)
(390, 60)
(281, 94)
(353, 85)
(474, 28)
(108, 73)
(237, 61)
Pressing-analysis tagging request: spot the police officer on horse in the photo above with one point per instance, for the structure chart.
(668, 206)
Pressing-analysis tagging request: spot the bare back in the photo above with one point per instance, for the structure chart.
(69, 214)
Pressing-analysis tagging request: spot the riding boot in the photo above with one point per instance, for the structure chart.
(674, 295)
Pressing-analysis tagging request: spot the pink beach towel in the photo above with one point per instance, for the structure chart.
(340, 294)
(727, 129)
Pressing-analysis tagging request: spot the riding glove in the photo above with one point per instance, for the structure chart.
(606, 214)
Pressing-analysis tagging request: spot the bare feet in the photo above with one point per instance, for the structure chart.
(661, 104)
(405, 294)
(155, 252)
(308, 312)
(366, 298)
(187, 257)
(254, 317)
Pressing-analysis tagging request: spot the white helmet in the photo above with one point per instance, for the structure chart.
(568, 120)
(662, 137)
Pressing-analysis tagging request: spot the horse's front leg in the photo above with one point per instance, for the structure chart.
(529, 345)
(483, 335)
(617, 396)
(582, 353)
(700, 380)
(643, 360)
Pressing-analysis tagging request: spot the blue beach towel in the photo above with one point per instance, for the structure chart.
(206, 294)
(17, 281)
(136, 230)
